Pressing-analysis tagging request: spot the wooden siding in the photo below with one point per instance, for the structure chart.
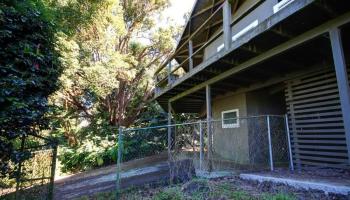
(315, 121)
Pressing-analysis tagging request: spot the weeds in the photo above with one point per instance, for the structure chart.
(170, 194)
(221, 190)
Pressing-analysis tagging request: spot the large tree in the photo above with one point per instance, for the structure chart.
(109, 61)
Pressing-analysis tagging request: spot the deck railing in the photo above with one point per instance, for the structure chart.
(166, 73)
(169, 71)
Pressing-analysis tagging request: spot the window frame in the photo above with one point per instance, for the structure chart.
(233, 125)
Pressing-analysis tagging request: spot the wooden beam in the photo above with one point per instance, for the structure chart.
(211, 12)
(273, 81)
(262, 57)
(207, 9)
(326, 8)
(251, 49)
(342, 80)
(279, 31)
(169, 73)
(190, 54)
(195, 56)
(194, 47)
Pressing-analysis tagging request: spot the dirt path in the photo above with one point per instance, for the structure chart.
(104, 179)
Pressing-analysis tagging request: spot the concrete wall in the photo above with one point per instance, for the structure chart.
(247, 144)
(267, 101)
(231, 143)
(262, 12)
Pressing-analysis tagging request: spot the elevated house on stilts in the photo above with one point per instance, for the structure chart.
(239, 59)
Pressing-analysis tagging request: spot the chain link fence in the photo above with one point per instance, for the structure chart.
(188, 149)
(34, 178)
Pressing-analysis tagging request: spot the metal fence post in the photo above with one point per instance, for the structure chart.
(53, 170)
(201, 145)
(119, 160)
(19, 169)
(169, 131)
(270, 142)
(289, 144)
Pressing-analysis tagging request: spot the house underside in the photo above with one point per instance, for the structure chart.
(295, 62)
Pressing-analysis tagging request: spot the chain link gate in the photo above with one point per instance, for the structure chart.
(34, 178)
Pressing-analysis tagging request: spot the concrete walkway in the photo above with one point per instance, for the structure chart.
(327, 186)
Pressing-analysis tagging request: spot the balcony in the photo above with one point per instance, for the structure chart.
(229, 28)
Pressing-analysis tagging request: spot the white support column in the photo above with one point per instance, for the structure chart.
(342, 80)
(190, 54)
(227, 18)
(209, 131)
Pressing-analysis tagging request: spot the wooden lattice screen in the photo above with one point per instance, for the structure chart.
(315, 121)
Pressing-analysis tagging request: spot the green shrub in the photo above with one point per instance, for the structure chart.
(29, 72)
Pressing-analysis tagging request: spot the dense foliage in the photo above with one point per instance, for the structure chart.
(29, 72)
(109, 50)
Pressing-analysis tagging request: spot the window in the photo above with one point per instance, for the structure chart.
(230, 118)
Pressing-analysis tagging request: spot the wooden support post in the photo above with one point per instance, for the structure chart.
(190, 54)
(342, 80)
(227, 18)
(209, 130)
(169, 74)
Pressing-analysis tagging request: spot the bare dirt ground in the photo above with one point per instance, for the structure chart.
(225, 188)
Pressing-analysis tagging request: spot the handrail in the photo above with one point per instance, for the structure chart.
(204, 25)
(208, 42)
(185, 43)
(196, 52)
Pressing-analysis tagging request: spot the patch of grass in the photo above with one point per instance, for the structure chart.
(173, 193)
(228, 191)
(99, 196)
(217, 190)
(279, 196)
